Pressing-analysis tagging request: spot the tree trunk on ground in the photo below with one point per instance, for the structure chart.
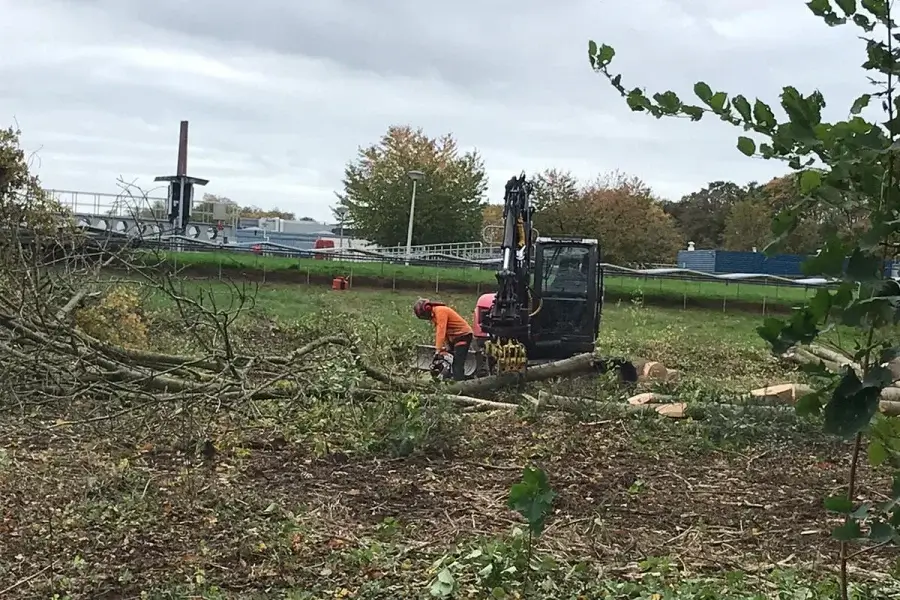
(576, 365)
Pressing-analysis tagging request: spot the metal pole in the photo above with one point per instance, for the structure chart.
(412, 212)
(341, 244)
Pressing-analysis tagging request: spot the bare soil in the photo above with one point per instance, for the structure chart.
(106, 522)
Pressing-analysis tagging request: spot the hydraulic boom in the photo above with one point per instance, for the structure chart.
(508, 323)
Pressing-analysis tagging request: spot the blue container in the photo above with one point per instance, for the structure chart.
(739, 262)
(727, 261)
(697, 260)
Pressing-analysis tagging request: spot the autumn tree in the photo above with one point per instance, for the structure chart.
(449, 198)
(623, 214)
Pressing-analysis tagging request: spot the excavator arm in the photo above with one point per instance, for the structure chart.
(508, 322)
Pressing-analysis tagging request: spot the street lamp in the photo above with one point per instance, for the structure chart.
(415, 176)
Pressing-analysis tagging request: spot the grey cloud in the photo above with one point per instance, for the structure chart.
(510, 78)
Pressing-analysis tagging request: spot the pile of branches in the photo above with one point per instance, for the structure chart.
(45, 356)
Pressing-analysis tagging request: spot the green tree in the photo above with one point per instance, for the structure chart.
(747, 226)
(554, 191)
(849, 166)
(701, 215)
(449, 198)
(22, 198)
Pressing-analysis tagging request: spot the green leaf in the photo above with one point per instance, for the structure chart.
(444, 585)
(717, 102)
(852, 405)
(860, 103)
(637, 101)
(863, 266)
(741, 105)
(877, 453)
(820, 304)
(820, 8)
(694, 112)
(839, 504)
(800, 329)
(763, 115)
(879, 531)
(861, 512)
(604, 55)
(592, 53)
(830, 260)
(532, 498)
(847, 532)
(703, 91)
(844, 294)
(669, 102)
(810, 180)
(880, 9)
(809, 404)
(848, 6)
(746, 145)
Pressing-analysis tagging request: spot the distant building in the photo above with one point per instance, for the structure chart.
(299, 234)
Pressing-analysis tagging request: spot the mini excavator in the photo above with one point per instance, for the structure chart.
(547, 305)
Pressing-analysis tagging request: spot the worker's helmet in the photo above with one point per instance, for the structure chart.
(422, 308)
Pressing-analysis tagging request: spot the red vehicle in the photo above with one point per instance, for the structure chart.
(320, 243)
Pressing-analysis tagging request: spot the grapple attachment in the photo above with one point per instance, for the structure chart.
(508, 355)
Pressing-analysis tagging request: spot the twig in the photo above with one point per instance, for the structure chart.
(22, 582)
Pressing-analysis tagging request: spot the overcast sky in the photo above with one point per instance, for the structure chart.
(281, 93)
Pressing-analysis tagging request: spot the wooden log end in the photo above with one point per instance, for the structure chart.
(675, 410)
(648, 398)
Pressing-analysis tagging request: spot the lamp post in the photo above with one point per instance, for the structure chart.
(415, 176)
(341, 212)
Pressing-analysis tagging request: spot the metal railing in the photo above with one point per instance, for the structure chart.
(126, 206)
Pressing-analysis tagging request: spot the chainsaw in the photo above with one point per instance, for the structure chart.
(442, 366)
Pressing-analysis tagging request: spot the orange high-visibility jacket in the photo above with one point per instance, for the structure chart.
(448, 325)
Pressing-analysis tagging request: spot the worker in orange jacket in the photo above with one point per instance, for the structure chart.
(451, 332)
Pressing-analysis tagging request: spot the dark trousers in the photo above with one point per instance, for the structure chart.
(460, 353)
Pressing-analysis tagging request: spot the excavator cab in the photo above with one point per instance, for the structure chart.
(567, 297)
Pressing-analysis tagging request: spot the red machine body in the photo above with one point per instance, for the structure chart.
(482, 307)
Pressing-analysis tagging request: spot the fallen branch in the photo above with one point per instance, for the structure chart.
(578, 364)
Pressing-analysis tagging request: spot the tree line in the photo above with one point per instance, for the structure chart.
(634, 225)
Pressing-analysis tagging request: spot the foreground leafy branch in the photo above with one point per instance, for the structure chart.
(850, 167)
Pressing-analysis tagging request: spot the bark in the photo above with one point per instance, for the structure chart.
(576, 365)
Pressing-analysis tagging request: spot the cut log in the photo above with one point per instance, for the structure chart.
(675, 410)
(789, 393)
(649, 398)
(785, 393)
(578, 364)
(831, 355)
(653, 370)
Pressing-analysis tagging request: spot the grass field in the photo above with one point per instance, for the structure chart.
(365, 274)
(404, 496)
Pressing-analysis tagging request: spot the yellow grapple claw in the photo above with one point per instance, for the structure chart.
(510, 355)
